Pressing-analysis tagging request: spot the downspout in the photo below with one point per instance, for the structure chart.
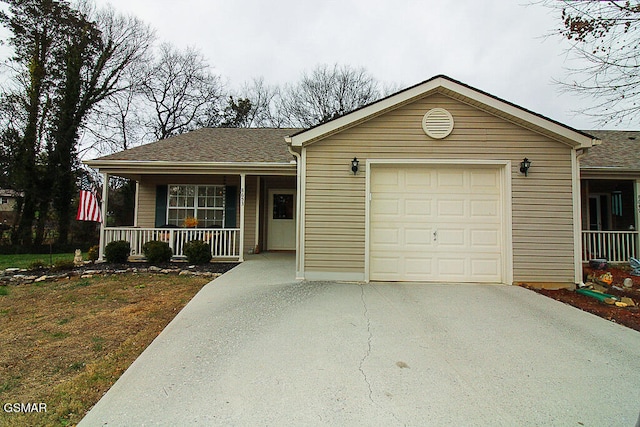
(299, 275)
(577, 214)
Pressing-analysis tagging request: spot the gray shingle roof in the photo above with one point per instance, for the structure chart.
(619, 150)
(220, 145)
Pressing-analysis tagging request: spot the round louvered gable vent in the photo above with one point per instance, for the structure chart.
(437, 123)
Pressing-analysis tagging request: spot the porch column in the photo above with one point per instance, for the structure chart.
(243, 193)
(636, 217)
(136, 204)
(103, 209)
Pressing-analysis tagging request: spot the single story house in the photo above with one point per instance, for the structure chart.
(439, 182)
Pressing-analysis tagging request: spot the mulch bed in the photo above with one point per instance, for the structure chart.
(212, 267)
(627, 316)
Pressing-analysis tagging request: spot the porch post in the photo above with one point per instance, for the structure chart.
(136, 204)
(243, 193)
(103, 209)
(636, 217)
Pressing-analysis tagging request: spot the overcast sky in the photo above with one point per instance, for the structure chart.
(498, 46)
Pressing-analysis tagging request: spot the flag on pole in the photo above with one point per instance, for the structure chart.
(88, 207)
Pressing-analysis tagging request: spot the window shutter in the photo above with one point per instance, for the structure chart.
(230, 209)
(161, 205)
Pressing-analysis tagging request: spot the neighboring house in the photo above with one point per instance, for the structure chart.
(610, 187)
(7, 205)
(438, 193)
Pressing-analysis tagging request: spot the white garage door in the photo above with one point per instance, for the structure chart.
(435, 223)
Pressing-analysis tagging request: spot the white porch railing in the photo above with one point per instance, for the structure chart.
(614, 246)
(224, 242)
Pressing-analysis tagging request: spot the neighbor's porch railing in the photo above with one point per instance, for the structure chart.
(224, 242)
(614, 246)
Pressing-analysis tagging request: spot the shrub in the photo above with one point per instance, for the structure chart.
(197, 252)
(117, 251)
(157, 252)
(36, 264)
(63, 264)
(94, 253)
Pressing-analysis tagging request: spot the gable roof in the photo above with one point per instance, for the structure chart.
(619, 151)
(456, 90)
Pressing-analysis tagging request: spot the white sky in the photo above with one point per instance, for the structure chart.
(497, 46)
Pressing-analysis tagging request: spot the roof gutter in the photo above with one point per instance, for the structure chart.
(167, 167)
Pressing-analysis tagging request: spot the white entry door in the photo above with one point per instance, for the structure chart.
(436, 223)
(281, 227)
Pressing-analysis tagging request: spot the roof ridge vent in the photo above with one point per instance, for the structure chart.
(437, 123)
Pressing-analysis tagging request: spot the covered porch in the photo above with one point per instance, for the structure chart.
(221, 186)
(609, 192)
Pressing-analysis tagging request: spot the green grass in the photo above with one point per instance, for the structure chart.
(25, 260)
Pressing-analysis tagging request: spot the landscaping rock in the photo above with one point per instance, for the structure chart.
(41, 279)
(154, 269)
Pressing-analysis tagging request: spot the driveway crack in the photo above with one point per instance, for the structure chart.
(369, 338)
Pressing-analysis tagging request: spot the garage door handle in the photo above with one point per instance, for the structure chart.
(435, 235)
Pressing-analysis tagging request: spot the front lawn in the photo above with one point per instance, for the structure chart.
(64, 343)
(26, 260)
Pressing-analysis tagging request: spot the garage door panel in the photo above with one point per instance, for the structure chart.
(385, 207)
(452, 237)
(486, 268)
(385, 265)
(417, 207)
(385, 180)
(435, 223)
(484, 208)
(450, 179)
(485, 239)
(451, 208)
(483, 179)
(418, 267)
(416, 236)
(416, 180)
(385, 236)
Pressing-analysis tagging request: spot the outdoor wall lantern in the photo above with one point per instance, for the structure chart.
(525, 164)
(354, 165)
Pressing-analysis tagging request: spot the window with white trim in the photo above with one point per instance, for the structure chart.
(205, 203)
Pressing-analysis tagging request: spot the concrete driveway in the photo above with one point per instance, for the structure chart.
(254, 347)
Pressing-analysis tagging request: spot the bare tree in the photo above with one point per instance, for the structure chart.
(263, 98)
(604, 35)
(183, 91)
(327, 93)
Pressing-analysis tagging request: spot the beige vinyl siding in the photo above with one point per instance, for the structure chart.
(541, 203)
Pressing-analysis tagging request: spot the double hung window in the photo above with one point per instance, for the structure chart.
(205, 203)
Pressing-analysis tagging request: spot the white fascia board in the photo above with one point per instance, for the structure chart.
(564, 134)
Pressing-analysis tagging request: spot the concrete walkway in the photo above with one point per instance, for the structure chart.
(254, 347)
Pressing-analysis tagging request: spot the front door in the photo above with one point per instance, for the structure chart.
(281, 234)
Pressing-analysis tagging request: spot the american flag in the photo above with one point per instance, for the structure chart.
(88, 207)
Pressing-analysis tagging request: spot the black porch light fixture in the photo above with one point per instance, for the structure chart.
(525, 164)
(354, 165)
